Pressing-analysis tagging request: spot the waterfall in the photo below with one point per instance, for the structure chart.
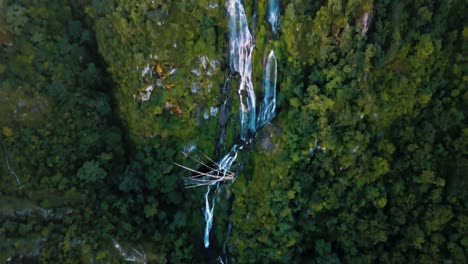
(241, 44)
(222, 171)
(268, 105)
(208, 213)
(273, 14)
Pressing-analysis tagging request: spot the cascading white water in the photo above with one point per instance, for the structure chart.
(208, 213)
(222, 168)
(241, 44)
(268, 105)
(273, 14)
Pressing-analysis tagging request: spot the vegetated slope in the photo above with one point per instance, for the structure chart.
(58, 134)
(364, 162)
(370, 164)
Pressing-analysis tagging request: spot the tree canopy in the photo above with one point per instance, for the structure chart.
(365, 162)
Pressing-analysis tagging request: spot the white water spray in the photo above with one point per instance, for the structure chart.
(208, 213)
(268, 105)
(241, 44)
(273, 14)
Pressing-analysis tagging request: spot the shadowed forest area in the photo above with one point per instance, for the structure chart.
(364, 158)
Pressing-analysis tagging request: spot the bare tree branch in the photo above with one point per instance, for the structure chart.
(218, 172)
(8, 165)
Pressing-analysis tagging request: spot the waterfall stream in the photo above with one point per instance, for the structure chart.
(241, 45)
(268, 106)
(273, 14)
(208, 213)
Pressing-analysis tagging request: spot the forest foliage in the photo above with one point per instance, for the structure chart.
(365, 163)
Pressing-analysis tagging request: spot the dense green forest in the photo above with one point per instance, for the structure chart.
(365, 162)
